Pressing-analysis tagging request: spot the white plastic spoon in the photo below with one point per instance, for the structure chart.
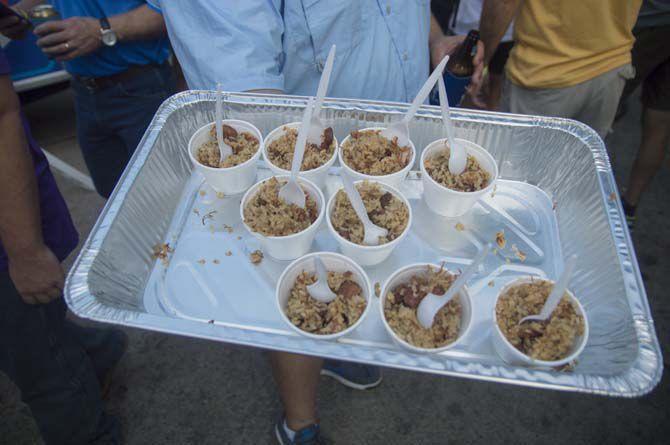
(556, 293)
(225, 150)
(431, 303)
(316, 126)
(319, 290)
(291, 192)
(457, 156)
(371, 231)
(400, 129)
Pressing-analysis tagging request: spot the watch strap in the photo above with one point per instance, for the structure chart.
(104, 23)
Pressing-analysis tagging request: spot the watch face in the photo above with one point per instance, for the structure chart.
(109, 37)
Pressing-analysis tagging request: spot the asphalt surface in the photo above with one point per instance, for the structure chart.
(176, 390)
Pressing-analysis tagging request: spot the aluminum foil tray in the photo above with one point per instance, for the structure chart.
(556, 197)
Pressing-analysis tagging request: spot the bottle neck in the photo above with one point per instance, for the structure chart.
(470, 43)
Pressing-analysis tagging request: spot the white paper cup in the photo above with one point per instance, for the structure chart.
(288, 247)
(445, 201)
(402, 276)
(513, 356)
(393, 179)
(231, 180)
(333, 262)
(368, 255)
(316, 175)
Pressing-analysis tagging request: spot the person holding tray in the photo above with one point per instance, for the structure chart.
(384, 48)
(61, 368)
(384, 52)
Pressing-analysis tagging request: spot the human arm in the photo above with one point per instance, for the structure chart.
(434, 36)
(496, 17)
(14, 28)
(33, 268)
(141, 23)
(78, 36)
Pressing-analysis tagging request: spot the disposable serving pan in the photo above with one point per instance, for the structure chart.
(556, 197)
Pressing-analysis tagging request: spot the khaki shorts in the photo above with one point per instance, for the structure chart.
(593, 102)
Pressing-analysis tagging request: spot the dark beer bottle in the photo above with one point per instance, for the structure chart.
(459, 70)
(460, 64)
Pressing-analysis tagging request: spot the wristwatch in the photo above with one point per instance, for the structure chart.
(107, 33)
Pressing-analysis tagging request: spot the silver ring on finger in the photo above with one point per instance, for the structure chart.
(67, 46)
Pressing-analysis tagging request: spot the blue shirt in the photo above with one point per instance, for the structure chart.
(111, 60)
(382, 45)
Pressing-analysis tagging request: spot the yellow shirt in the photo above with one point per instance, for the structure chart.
(560, 43)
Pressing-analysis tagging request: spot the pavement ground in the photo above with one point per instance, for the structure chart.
(177, 390)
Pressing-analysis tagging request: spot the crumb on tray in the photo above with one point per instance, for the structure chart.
(519, 254)
(256, 257)
(162, 252)
(500, 239)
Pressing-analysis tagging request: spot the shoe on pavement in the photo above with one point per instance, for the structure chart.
(353, 375)
(309, 435)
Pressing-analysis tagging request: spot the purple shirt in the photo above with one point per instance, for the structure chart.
(58, 231)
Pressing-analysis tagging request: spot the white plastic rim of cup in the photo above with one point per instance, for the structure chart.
(231, 180)
(403, 275)
(334, 262)
(511, 355)
(316, 175)
(292, 246)
(445, 201)
(392, 179)
(368, 255)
